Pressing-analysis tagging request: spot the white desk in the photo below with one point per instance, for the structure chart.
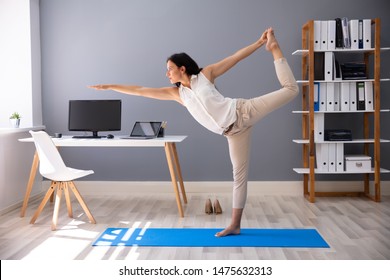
(167, 142)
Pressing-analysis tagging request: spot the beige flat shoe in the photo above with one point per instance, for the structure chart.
(217, 207)
(208, 209)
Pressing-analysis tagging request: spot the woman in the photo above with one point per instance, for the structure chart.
(232, 118)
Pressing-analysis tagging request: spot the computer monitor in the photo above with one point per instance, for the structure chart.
(94, 116)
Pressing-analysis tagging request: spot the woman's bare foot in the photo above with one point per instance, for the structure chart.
(273, 45)
(230, 230)
(271, 40)
(235, 226)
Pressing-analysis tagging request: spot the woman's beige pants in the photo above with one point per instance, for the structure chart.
(250, 111)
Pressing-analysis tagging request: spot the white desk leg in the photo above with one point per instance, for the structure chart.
(168, 153)
(30, 183)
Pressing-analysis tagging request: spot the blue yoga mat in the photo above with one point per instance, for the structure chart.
(204, 237)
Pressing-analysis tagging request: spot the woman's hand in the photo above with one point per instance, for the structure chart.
(100, 87)
(263, 38)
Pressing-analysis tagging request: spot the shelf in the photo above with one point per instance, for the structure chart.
(316, 171)
(341, 112)
(310, 149)
(354, 141)
(306, 52)
(301, 52)
(342, 81)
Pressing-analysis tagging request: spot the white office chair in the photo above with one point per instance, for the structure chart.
(52, 167)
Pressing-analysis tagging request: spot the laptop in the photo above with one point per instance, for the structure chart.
(144, 130)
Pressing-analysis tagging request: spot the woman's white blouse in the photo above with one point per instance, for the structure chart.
(210, 108)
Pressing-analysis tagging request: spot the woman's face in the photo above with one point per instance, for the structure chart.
(174, 73)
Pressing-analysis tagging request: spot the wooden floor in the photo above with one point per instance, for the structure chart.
(355, 228)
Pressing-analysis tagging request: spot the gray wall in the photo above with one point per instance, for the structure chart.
(86, 42)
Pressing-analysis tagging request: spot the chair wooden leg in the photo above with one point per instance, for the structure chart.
(82, 202)
(48, 194)
(57, 206)
(67, 199)
(52, 196)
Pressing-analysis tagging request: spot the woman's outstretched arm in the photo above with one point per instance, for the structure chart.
(165, 93)
(215, 70)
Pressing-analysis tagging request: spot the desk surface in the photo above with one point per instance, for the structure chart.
(68, 141)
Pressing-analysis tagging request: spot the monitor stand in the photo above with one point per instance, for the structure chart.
(93, 136)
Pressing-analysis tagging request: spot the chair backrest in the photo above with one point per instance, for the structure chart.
(50, 160)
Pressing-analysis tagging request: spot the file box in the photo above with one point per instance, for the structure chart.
(357, 163)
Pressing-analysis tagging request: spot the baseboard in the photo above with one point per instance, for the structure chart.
(18, 205)
(257, 187)
(293, 188)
